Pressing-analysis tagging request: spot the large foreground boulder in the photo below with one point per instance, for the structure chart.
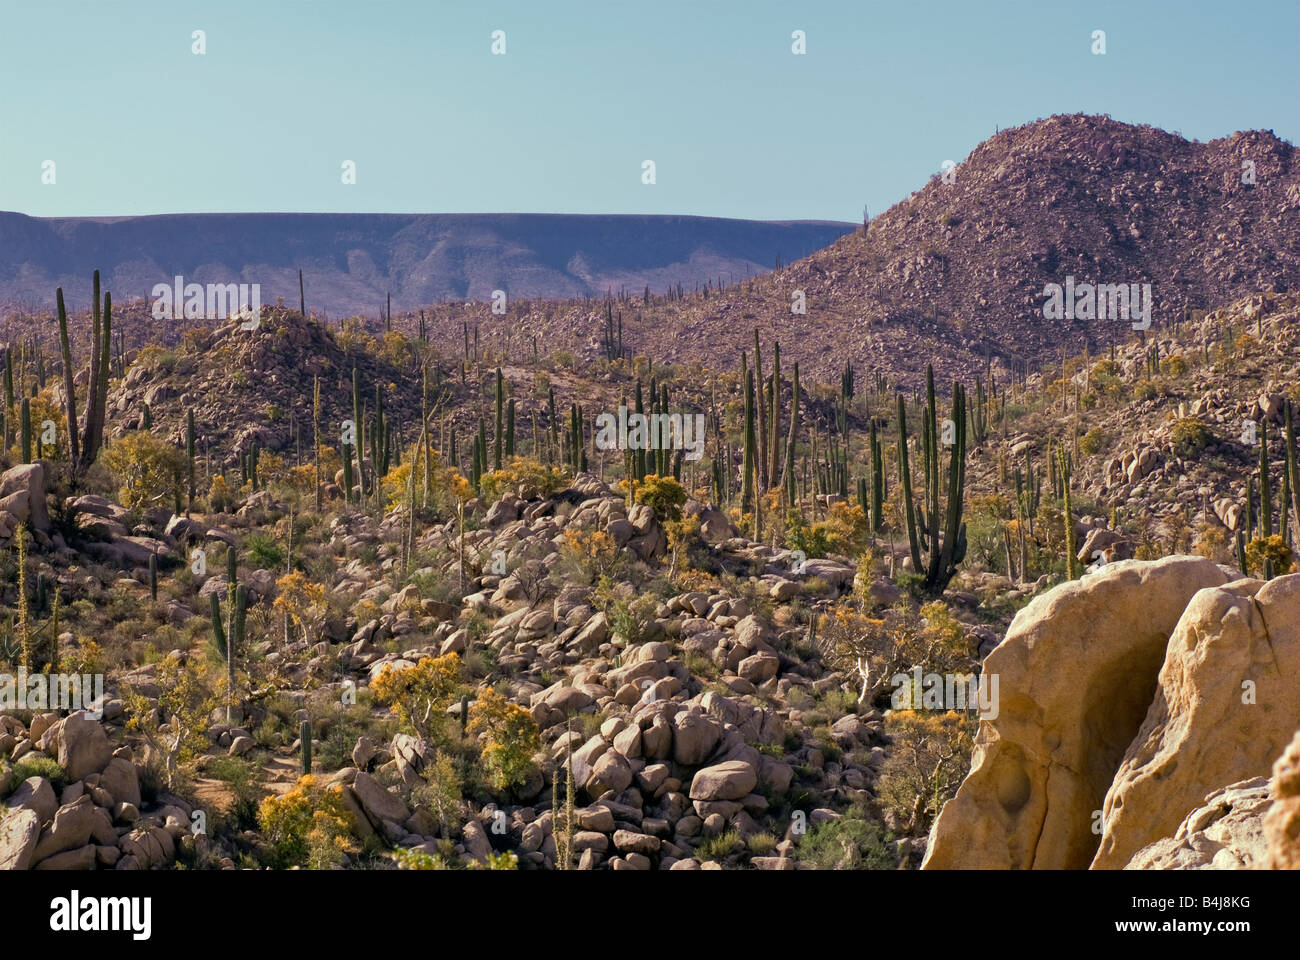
(1227, 704)
(1077, 672)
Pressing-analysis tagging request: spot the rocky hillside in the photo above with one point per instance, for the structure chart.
(694, 726)
(955, 273)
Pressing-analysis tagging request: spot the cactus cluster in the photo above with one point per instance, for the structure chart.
(86, 448)
(248, 461)
(767, 460)
(936, 549)
(612, 343)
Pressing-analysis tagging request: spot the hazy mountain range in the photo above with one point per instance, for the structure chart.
(352, 261)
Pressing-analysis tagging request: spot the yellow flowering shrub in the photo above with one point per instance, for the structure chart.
(419, 696)
(511, 737)
(309, 825)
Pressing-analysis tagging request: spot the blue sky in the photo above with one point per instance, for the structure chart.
(737, 124)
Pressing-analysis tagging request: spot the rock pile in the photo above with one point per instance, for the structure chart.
(98, 819)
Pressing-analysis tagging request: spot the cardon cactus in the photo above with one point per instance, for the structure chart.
(304, 734)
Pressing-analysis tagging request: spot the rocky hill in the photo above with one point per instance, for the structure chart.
(955, 273)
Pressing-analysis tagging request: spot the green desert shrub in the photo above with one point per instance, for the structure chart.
(1190, 436)
(849, 843)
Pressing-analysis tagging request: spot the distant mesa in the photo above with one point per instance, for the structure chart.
(353, 261)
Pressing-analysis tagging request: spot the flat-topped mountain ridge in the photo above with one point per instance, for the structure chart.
(351, 262)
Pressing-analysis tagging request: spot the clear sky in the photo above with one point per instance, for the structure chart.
(736, 123)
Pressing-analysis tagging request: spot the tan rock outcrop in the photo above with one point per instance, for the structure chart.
(1077, 673)
(1226, 707)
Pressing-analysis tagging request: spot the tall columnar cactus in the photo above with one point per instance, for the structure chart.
(659, 404)
(153, 576)
(748, 490)
(610, 345)
(1071, 549)
(877, 514)
(230, 635)
(347, 472)
(235, 643)
(1250, 508)
(24, 627)
(1265, 485)
(376, 432)
(386, 443)
(510, 428)
(499, 435)
(905, 482)
(480, 454)
(552, 455)
(379, 445)
(1284, 506)
(791, 439)
(937, 549)
(304, 736)
(218, 630)
(1031, 494)
(979, 413)
(639, 458)
(1292, 476)
(232, 575)
(360, 445)
(9, 392)
(69, 385)
(25, 419)
(760, 420)
(577, 456)
(97, 402)
(316, 446)
(190, 451)
(54, 631)
(774, 420)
